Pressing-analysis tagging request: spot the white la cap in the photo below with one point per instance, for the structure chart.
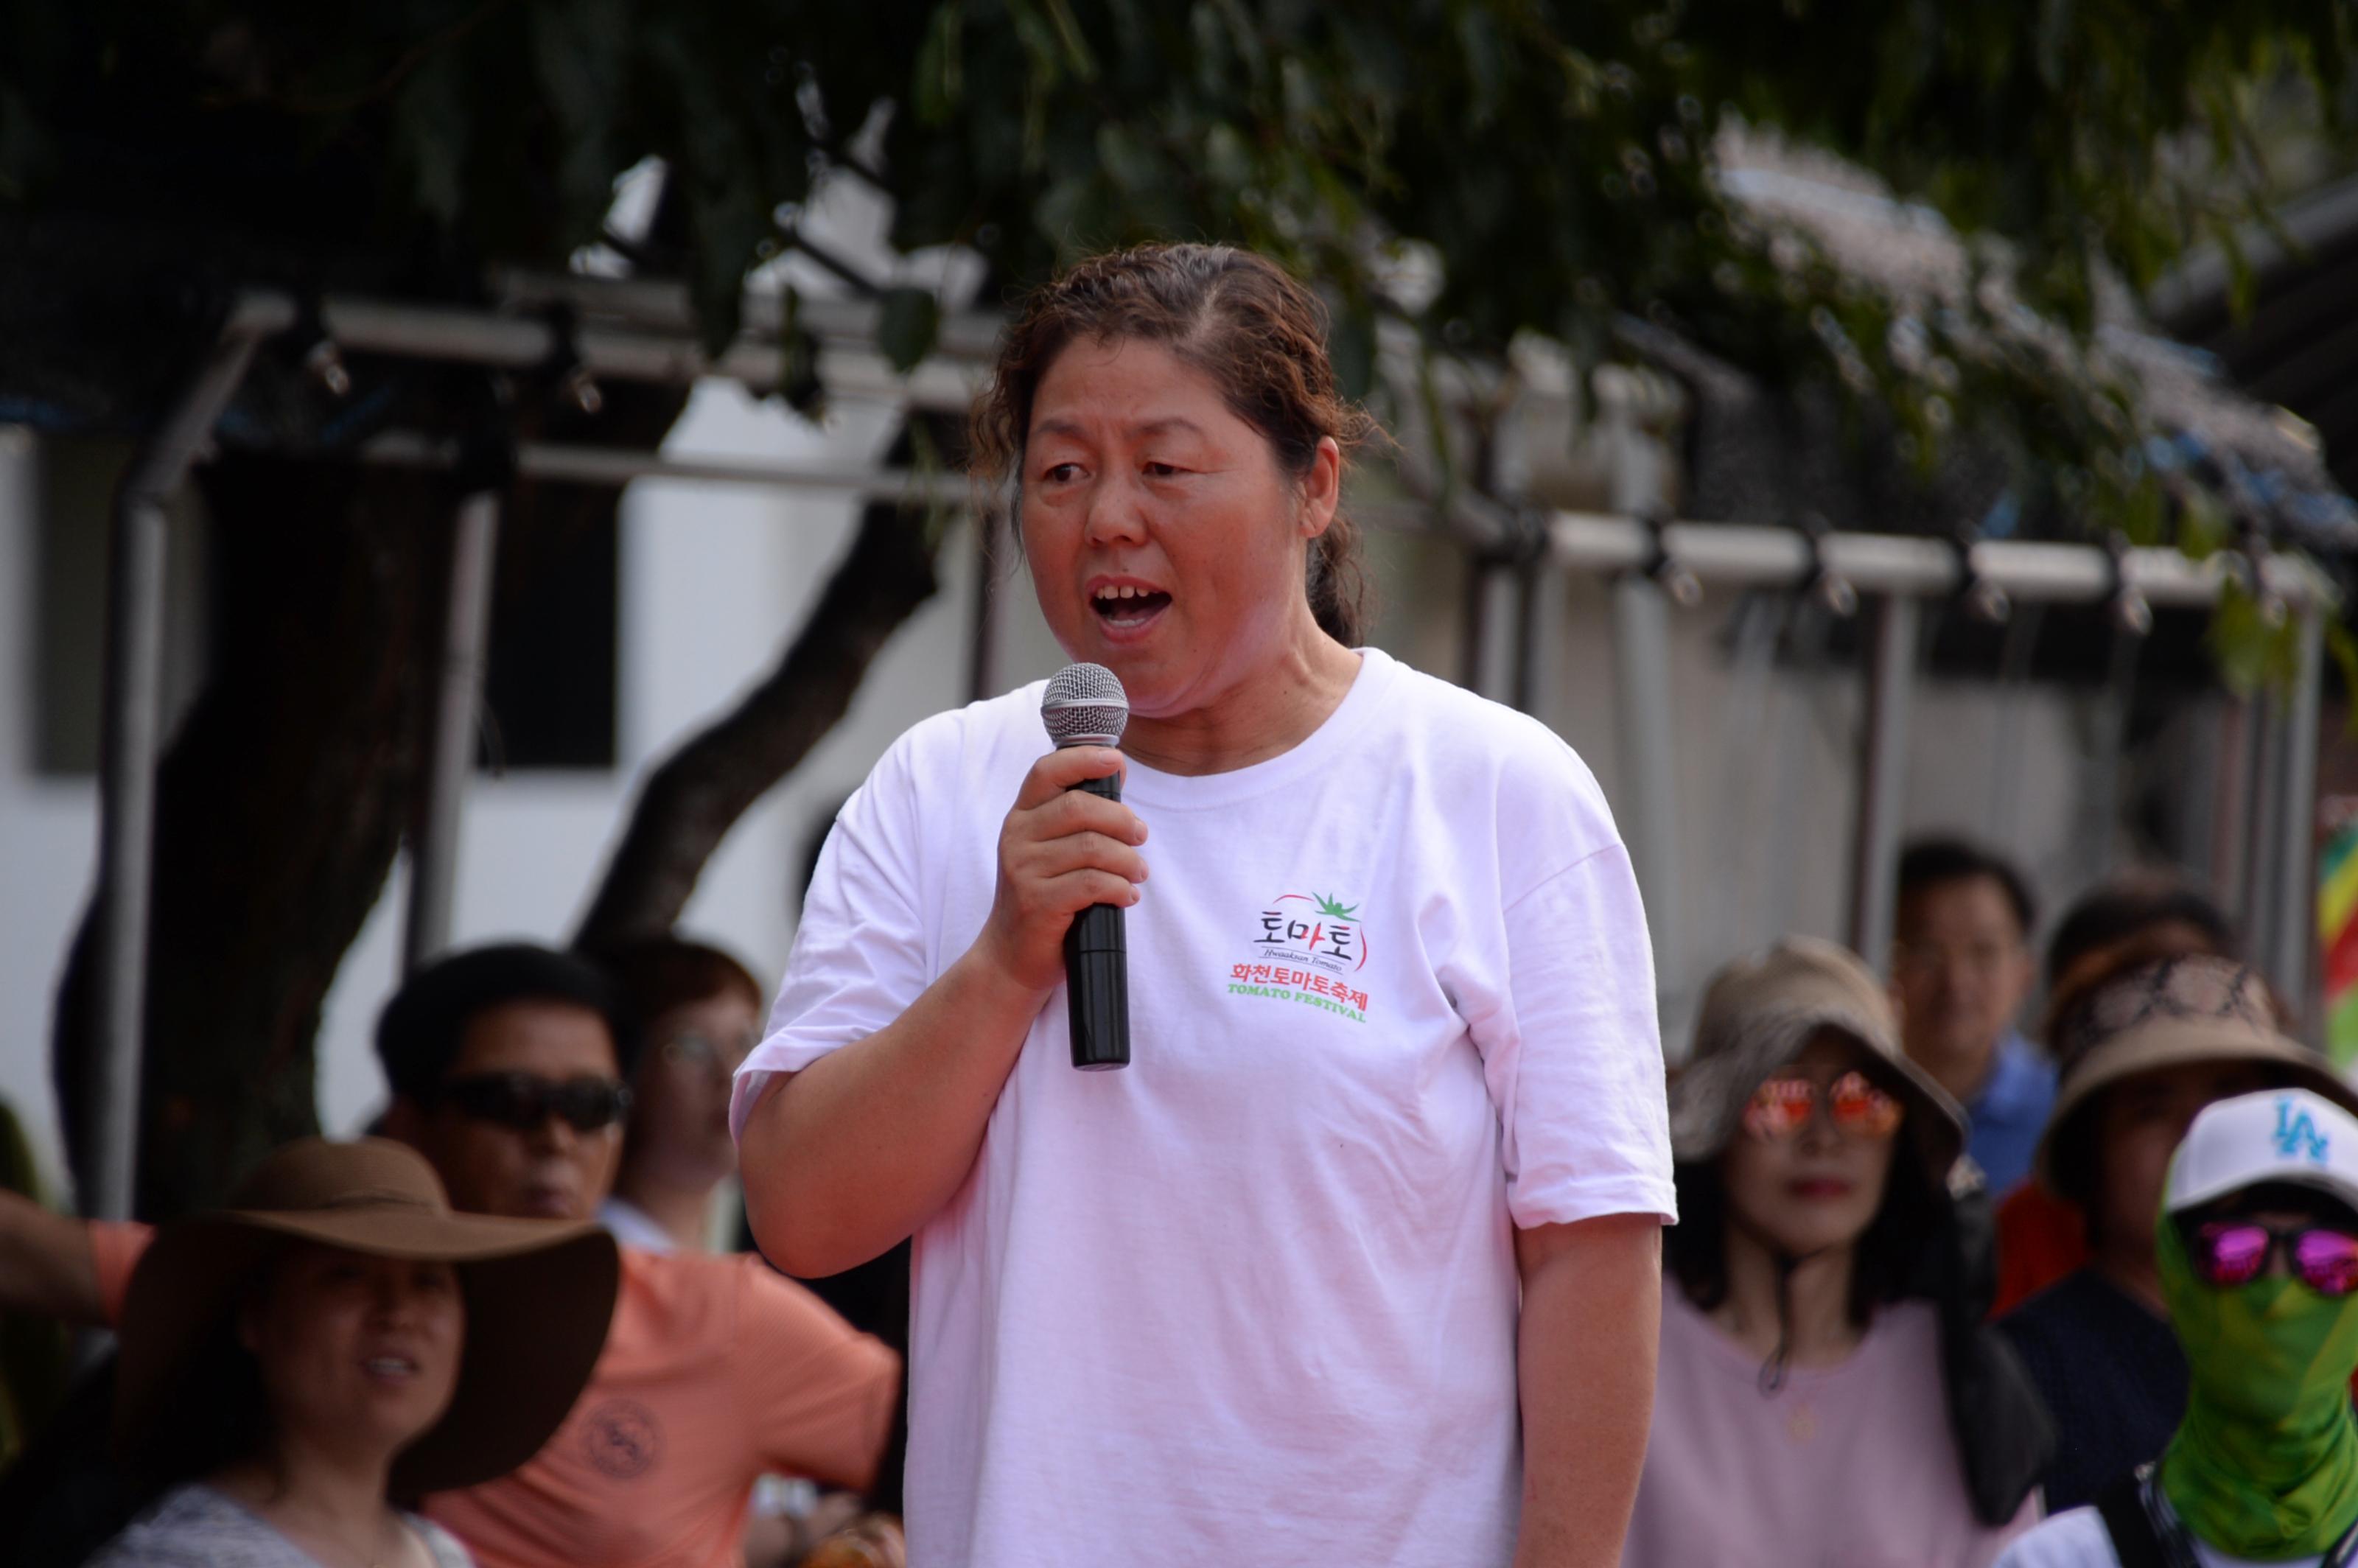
(2277, 1135)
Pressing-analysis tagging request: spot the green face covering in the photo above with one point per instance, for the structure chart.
(2265, 1463)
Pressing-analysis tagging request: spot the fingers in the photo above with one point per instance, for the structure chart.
(1075, 891)
(1078, 811)
(1084, 852)
(1061, 850)
(1059, 770)
(1041, 905)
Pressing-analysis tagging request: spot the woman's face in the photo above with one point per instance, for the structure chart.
(1819, 1185)
(1166, 541)
(680, 1120)
(2138, 1124)
(357, 1353)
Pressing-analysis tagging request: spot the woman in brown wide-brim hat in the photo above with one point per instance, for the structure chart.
(338, 1338)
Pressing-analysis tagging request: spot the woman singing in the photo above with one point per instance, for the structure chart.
(1360, 1262)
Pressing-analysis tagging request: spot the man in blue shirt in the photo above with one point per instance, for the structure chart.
(1961, 967)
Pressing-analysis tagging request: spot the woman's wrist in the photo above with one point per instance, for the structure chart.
(988, 981)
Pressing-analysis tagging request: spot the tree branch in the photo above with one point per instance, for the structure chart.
(696, 795)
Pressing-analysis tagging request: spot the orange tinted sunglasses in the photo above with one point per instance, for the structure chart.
(1780, 1107)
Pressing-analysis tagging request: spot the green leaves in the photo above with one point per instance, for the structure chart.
(1556, 161)
(939, 80)
(905, 332)
(2255, 643)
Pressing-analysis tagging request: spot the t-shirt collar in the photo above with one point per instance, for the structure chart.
(1145, 785)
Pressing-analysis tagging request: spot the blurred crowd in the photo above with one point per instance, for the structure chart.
(1941, 1272)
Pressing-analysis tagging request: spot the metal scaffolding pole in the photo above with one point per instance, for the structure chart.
(1883, 778)
(1547, 613)
(2256, 898)
(1738, 555)
(457, 700)
(133, 723)
(2293, 951)
(1648, 811)
(982, 659)
(1494, 616)
(607, 465)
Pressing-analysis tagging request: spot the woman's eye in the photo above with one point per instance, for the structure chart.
(1060, 473)
(1162, 470)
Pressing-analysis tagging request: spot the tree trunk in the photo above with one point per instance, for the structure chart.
(285, 796)
(279, 808)
(696, 795)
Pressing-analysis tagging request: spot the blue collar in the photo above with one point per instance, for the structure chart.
(2019, 1081)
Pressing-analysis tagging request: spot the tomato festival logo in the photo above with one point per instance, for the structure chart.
(1309, 949)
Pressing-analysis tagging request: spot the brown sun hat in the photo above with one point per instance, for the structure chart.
(539, 1295)
(1760, 1011)
(2192, 1010)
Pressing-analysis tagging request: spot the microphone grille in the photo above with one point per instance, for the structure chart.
(1085, 705)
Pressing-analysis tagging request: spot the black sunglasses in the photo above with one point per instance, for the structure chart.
(525, 1102)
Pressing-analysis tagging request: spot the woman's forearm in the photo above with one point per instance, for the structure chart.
(855, 1152)
(1590, 1328)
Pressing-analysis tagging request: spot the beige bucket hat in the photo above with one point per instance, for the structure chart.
(2174, 1012)
(539, 1295)
(1758, 1014)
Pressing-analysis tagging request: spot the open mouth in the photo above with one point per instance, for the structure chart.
(1127, 604)
(390, 1368)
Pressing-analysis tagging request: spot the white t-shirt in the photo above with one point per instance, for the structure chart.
(1254, 1299)
(2076, 1538)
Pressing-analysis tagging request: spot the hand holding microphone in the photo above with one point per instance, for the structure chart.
(1085, 705)
(1068, 847)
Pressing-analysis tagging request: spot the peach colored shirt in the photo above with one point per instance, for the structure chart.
(715, 1372)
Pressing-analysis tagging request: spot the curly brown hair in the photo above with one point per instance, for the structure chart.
(1239, 318)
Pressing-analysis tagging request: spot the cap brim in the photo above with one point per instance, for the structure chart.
(2341, 1189)
(2177, 1043)
(539, 1299)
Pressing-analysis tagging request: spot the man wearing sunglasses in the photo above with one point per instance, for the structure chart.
(2258, 1250)
(507, 1071)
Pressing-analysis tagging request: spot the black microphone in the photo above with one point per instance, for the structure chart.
(1086, 706)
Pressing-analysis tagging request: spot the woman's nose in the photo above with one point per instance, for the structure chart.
(396, 1296)
(1117, 512)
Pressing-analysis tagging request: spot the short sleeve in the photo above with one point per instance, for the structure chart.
(860, 954)
(115, 1248)
(819, 1394)
(1573, 1060)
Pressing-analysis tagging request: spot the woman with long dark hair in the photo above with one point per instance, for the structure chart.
(1827, 1393)
(1358, 1261)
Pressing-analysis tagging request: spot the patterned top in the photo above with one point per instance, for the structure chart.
(196, 1527)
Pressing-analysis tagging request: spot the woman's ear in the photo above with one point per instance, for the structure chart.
(1322, 487)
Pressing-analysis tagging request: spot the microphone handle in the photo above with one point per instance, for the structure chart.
(1096, 974)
